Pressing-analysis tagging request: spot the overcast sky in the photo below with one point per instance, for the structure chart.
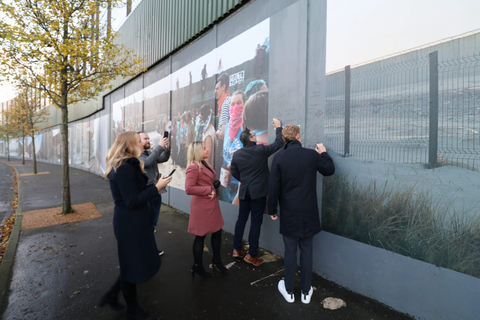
(362, 30)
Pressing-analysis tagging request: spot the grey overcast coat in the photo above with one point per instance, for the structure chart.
(132, 222)
(293, 183)
(250, 166)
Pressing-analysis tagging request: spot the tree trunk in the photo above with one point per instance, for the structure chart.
(34, 154)
(67, 202)
(23, 147)
(8, 148)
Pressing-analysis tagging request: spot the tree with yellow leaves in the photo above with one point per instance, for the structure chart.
(16, 123)
(67, 51)
(6, 130)
(25, 114)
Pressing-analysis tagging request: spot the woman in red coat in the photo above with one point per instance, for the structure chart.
(205, 214)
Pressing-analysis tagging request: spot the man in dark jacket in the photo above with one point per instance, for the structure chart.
(250, 167)
(293, 183)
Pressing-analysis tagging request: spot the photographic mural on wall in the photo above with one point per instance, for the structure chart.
(213, 99)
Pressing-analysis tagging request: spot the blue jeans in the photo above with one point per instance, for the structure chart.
(256, 207)
(155, 203)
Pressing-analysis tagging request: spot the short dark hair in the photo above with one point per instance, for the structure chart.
(245, 136)
(224, 80)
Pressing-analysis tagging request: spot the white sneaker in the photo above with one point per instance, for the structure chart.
(288, 296)
(307, 296)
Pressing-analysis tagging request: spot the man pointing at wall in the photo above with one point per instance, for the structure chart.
(293, 184)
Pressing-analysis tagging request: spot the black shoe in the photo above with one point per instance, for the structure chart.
(112, 302)
(161, 252)
(218, 263)
(200, 271)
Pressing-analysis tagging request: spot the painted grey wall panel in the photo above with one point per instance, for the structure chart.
(406, 284)
(288, 43)
(315, 73)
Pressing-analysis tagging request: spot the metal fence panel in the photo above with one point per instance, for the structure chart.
(390, 112)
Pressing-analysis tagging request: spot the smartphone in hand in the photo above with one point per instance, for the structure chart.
(170, 173)
(165, 134)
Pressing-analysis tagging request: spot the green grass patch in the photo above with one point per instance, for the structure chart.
(407, 222)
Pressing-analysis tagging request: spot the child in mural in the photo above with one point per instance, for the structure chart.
(190, 128)
(255, 116)
(177, 139)
(254, 87)
(231, 143)
(222, 94)
(207, 131)
(182, 130)
(173, 136)
(222, 91)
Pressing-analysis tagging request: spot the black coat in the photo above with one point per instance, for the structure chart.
(132, 222)
(293, 183)
(250, 166)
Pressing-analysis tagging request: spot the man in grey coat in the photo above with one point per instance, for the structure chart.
(151, 158)
(293, 184)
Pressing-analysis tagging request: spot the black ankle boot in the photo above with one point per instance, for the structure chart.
(111, 297)
(196, 268)
(219, 264)
(134, 312)
(112, 302)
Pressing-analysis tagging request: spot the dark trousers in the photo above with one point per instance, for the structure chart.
(256, 208)
(156, 204)
(306, 262)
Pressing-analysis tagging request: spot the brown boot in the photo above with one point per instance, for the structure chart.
(253, 260)
(237, 254)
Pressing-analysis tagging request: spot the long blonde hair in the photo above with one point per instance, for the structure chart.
(195, 153)
(124, 147)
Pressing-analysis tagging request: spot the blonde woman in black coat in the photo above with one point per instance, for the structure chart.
(137, 250)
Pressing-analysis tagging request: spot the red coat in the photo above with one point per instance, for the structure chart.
(205, 214)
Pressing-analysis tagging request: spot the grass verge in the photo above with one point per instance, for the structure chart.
(407, 222)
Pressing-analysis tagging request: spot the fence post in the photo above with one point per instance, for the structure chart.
(433, 125)
(347, 112)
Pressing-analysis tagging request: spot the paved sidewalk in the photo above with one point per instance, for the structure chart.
(61, 272)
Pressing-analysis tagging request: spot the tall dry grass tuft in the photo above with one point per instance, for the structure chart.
(407, 222)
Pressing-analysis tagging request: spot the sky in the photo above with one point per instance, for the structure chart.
(362, 30)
